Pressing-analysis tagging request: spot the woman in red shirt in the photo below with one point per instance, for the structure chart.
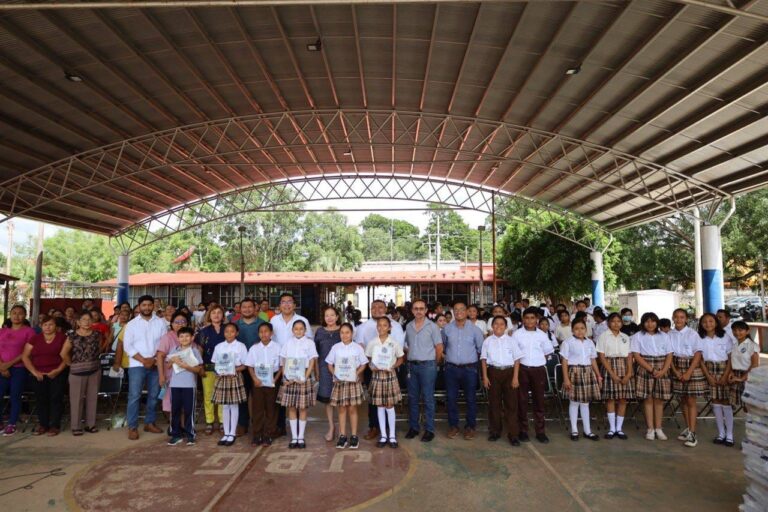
(12, 371)
(42, 357)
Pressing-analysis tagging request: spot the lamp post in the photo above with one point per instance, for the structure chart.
(480, 229)
(241, 229)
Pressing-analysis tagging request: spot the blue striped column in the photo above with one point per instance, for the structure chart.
(711, 268)
(598, 279)
(122, 278)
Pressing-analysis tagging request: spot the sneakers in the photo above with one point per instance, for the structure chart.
(660, 435)
(691, 441)
(342, 442)
(174, 441)
(650, 434)
(684, 435)
(354, 443)
(191, 441)
(10, 429)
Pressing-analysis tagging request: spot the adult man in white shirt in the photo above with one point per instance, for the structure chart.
(142, 335)
(283, 323)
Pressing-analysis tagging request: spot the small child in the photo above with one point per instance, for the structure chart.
(689, 382)
(652, 351)
(601, 324)
(717, 346)
(563, 329)
(385, 356)
(500, 362)
(581, 377)
(298, 358)
(184, 386)
(665, 325)
(744, 356)
(229, 360)
(263, 362)
(613, 350)
(346, 362)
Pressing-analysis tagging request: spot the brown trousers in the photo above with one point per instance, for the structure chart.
(533, 379)
(501, 393)
(83, 391)
(263, 411)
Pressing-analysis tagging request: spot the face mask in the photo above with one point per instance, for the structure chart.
(626, 319)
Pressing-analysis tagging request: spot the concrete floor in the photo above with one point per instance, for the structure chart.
(105, 471)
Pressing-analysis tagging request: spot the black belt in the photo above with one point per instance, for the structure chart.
(531, 367)
(468, 365)
(421, 362)
(501, 368)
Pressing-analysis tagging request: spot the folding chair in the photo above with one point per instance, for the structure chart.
(554, 389)
(29, 397)
(110, 387)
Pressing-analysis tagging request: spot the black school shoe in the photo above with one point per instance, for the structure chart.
(257, 441)
(718, 440)
(542, 438)
(574, 436)
(514, 441)
(524, 437)
(293, 445)
(381, 443)
(592, 436)
(493, 437)
(393, 443)
(301, 445)
(621, 435)
(729, 443)
(427, 437)
(411, 433)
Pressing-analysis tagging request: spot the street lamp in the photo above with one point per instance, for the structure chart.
(241, 229)
(480, 230)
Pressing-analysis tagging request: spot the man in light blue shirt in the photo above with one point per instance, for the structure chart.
(463, 343)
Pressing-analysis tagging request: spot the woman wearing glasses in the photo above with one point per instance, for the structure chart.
(165, 346)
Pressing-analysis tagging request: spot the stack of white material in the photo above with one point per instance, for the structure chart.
(755, 445)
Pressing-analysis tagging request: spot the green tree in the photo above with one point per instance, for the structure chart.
(377, 230)
(328, 243)
(456, 237)
(745, 236)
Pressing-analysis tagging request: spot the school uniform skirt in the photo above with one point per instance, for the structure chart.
(716, 369)
(696, 386)
(648, 387)
(736, 389)
(614, 390)
(229, 389)
(384, 389)
(584, 387)
(298, 395)
(346, 393)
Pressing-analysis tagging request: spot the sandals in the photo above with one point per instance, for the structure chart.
(77, 432)
(91, 430)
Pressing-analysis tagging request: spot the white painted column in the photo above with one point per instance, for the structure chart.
(699, 293)
(122, 278)
(712, 268)
(598, 279)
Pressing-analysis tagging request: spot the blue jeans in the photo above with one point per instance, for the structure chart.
(421, 385)
(136, 378)
(13, 385)
(466, 379)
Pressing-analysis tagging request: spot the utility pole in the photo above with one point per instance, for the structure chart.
(391, 243)
(429, 251)
(437, 245)
(762, 288)
(10, 248)
(480, 229)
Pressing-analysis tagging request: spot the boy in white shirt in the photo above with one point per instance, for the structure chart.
(263, 362)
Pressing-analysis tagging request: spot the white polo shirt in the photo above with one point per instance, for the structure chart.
(500, 351)
(266, 355)
(534, 345)
(685, 342)
(578, 352)
(612, 345)
(653, 345)
(353, 351)
(741, 355)
(716, 349)
(142, 337)
(235, 351)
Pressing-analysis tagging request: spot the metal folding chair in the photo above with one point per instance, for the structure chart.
(110, 388)
(29, 397)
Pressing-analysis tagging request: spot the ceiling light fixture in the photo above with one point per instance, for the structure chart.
(73, 77)
(316, 46)
(574, 70)
(348, 152)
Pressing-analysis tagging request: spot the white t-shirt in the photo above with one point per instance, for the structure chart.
(500, 351)
(578, 352)
(741, 355)
(534, 345)
(228, 356)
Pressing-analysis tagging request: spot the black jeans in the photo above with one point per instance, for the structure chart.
(50, 400)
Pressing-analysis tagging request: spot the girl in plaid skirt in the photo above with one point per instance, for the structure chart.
(298, 358)
(744, 356)
(689, 382)
(615, 356)
(652, 351)
(346, 356)
(716, 349)
(385, 356)
(581, 377)
(229, 360)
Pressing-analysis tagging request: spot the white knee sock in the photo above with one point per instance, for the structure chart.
(728, 411)
(234, 415)
(302, 428)
(227, 420)
(573, 415)
(382, 422)
(720, 420)
(584, 410)
(619, 423)
(294, 429)
(391, 423)
(612, 421)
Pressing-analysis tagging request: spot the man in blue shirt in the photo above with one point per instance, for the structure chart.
(463, 343)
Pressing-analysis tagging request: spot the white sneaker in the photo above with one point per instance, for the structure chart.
(691, 441)
(650, 434)
(684, 435)
(660, 435)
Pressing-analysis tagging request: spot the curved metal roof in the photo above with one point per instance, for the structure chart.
(666, 109)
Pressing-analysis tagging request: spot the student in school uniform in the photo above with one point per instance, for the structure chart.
(689, 382)
(535, 347)
(601, 324)
(385, 355)
(263, 362)
(346, 362)
(744, 356)
(613, 350)
(473, 314)
(229, 362)
(717, 346)
(581, 378)
(563, 329)
(500, 363)
(298, 357)
(665, 325)
(652, 351)
(183, 386)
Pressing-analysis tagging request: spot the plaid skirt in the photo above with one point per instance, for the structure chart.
(736, 389)
(613, 390)
(384, 389)
(648, 387)
(584, 387)
(229, 389)
(346, 393)
(696, 386)
(298, 395)
(716, 370)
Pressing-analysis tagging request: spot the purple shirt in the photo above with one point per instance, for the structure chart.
(12, 343)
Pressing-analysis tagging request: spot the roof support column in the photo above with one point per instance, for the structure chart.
(38, 284)
(697, 258)
(598, 279)
(122, 277)
(712, 267)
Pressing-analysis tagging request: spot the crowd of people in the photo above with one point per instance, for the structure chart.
(261, 370)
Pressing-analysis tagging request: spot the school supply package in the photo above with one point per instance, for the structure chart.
(755, 445)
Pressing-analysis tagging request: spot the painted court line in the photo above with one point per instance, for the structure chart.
(560, 479)
(232, 480)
